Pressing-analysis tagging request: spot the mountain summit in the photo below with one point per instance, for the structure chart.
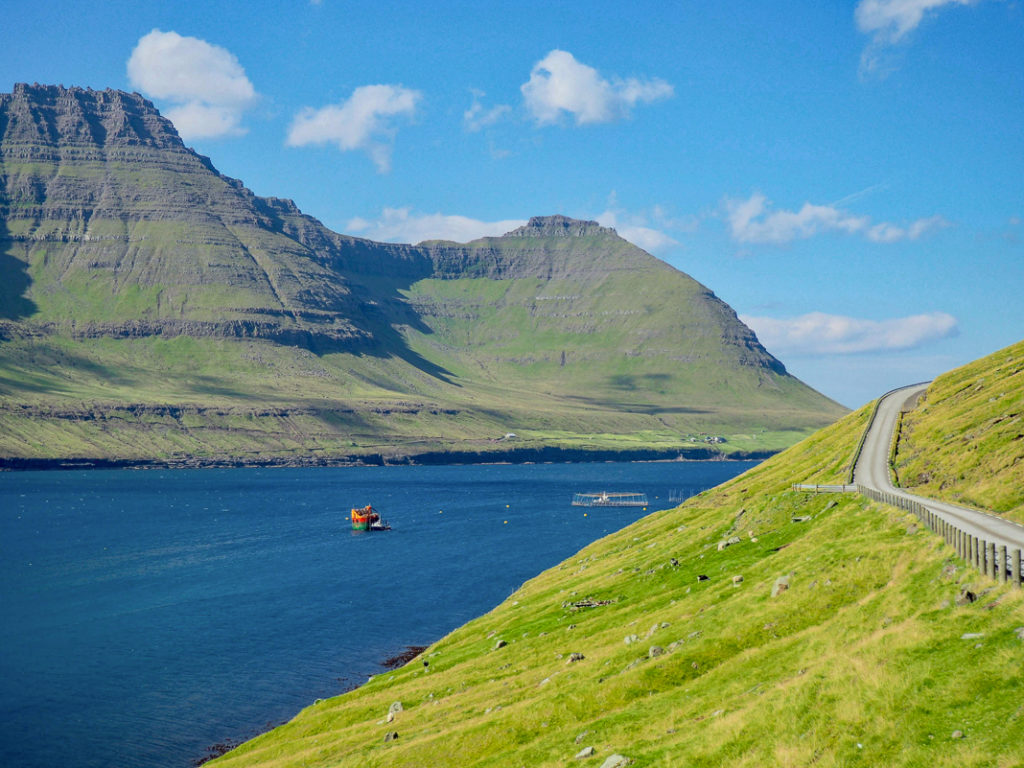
(559, 226)
(153, 309)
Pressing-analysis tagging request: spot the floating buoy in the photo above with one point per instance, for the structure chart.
(506, 506)
(506, 522)
(584, 514)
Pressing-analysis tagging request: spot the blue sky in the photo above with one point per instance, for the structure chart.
(849, 176)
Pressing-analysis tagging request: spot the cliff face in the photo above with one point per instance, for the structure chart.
(120, 225)
(112, 229)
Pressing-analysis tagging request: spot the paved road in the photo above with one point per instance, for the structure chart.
(872, 471)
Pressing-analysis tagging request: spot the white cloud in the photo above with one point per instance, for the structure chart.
(559, 83)
(363, 122)
(633, 227)
(401, 225)
(821, 334)
(890, 21)
(478, 116)
(207, 85)
(752, 221)
(891, 233)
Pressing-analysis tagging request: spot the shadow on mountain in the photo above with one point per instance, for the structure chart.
(378, 274)
(648, 409)
(14, 282)
(644, 381)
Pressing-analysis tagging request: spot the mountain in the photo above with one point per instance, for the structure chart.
(755, 625)
(152, 309)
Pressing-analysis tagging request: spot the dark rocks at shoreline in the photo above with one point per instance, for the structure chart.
(403, 658)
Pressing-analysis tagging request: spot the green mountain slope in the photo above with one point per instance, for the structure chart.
(754, 625)
(152, 309)
(965, 443)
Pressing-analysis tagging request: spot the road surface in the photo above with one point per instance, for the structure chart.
(872, 471)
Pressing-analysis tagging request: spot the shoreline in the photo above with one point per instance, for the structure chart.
(544, 455)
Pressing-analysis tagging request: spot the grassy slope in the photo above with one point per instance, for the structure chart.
(965, 443)
(859, 662)
(336, 403)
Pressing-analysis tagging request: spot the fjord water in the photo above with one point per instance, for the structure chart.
(148, 615)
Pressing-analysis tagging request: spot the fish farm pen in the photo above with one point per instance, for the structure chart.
(605, 499)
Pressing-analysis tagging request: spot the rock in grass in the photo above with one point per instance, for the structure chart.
(616, 761)
(500, 644)
(972, 635)
(737, 580)
(581, 737)
(395, 708)
(966, 597)
(1019, 632)
(958, 734)
(390, 736)
(654, 651)
(780, 586)
(574, 657)
(630, 639)
(585, 752)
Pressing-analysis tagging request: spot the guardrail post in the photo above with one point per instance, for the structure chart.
(993, 565)
(1001, 562)
(1015, 567)
(983, 556)
(973, 553)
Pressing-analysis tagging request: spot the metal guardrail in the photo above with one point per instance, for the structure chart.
(1000, 562)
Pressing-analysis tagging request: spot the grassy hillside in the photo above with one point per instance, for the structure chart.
(694, 653)
(965, 443)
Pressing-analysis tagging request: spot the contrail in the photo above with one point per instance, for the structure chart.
(858, 195)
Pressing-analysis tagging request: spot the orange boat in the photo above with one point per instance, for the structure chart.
(367, 519)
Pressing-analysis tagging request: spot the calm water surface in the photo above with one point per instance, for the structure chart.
(148, 615)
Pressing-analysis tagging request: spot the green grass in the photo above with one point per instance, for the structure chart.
(859, 662)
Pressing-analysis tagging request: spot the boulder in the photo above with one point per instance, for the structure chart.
(780, 586)
(585, 752)
(616, 761)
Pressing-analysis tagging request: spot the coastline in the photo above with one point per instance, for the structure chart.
(543, 455)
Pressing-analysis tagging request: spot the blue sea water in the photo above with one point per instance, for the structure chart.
(147, 615)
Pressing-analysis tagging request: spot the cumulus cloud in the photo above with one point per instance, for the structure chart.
(478, 116)
(560, 84)
(753, 221)
(822, 334)
(402, 225)
(364, 122)
(890, 21)
(206, 84)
